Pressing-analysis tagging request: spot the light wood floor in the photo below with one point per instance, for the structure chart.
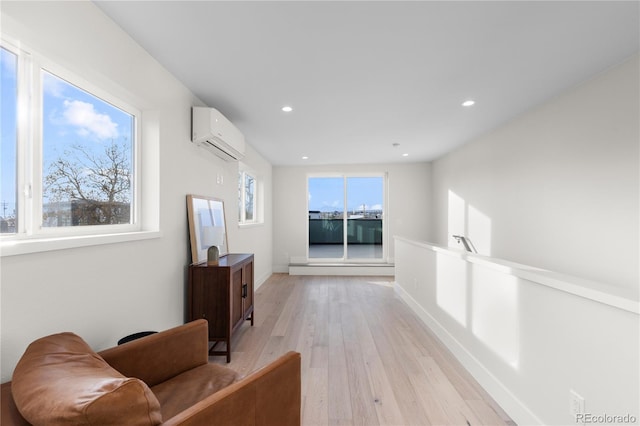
(366, 358)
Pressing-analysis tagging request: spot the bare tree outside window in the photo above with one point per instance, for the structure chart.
(89, 188)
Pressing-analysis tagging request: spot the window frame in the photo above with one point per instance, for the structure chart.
(30, 235)
(106, 97)
(243, 172)
(385, 219)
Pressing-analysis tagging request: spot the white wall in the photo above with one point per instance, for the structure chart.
(526, 341)
(257, 238)
(106, 292)
(555, 188)
(408, 211)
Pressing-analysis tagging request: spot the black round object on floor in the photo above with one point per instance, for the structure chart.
(135, 336)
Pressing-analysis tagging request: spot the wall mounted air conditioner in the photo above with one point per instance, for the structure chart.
(211, 130)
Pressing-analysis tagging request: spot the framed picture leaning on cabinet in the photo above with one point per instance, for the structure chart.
(207, 226)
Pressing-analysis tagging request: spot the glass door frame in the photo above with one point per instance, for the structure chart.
(385, 218)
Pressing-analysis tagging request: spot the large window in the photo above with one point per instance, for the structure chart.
(69, 163)
(346, 217)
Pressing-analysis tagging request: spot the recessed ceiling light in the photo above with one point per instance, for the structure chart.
(304, 157)
(287, 108)
(405, 155)
(468, 103)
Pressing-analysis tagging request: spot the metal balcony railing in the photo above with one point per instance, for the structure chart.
(359, 231)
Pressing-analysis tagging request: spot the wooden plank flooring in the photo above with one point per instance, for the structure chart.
(366, 358)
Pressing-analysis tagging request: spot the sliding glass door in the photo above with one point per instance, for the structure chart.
(346, 216)
(326, 217)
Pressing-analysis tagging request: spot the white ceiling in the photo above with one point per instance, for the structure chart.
(364, 75)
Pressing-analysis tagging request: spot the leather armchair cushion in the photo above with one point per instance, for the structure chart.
(60, 380)
(186, 389)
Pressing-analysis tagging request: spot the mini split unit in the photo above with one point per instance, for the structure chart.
(211, 130)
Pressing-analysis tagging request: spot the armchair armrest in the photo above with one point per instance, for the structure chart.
(161, 356)
(270, 396)
(9, 414)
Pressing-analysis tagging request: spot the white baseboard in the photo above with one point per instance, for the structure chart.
(280, 268)
(259, 281)
(342, 269)
(518, 412)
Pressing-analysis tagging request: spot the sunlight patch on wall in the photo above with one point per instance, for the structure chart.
(494, 312)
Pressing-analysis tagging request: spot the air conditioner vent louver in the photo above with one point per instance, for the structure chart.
(211, 130)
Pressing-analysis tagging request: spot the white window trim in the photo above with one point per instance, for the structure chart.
(37, 245)
(250, 224)
(29, 169)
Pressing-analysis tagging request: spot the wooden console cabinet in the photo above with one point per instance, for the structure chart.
(223, 295)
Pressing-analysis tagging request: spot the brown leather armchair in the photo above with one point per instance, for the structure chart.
(164, 378)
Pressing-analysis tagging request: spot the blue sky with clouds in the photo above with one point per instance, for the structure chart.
(326, 194)
(72, 116)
